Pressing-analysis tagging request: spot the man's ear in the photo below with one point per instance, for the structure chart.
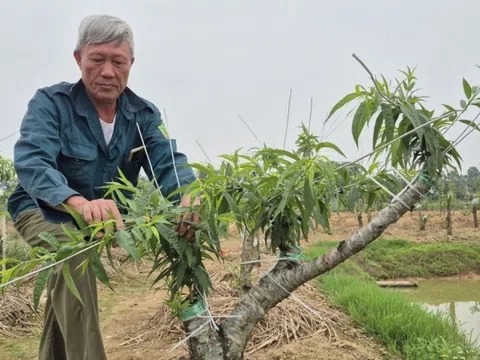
(77, 56)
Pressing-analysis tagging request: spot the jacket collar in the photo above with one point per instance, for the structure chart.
(128, 102)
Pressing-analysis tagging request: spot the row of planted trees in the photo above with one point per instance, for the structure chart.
(277, 194)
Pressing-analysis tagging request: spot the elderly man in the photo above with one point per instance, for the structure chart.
(73, 139)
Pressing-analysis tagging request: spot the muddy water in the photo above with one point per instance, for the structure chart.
(459, 299)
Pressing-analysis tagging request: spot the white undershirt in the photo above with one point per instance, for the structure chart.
(107, 129)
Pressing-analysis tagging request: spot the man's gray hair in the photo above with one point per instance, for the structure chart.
(101, 29)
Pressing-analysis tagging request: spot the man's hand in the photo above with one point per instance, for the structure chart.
(189, 220)
(96, 211)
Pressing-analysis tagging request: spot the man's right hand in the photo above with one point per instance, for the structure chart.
(98, 210)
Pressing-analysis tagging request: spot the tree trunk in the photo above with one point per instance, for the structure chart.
(360, 220)
(449, 215)
(250, 252)
(475, 218)
(230, 340)
(421, 221)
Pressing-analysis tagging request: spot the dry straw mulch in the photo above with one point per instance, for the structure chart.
(288, 322)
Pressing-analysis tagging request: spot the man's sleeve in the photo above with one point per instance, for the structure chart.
(36, 151)
(160, 153)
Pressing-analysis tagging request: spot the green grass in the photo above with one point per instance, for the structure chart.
(405, 327)
(391, 259)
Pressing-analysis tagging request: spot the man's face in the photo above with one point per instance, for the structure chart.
(105, 69)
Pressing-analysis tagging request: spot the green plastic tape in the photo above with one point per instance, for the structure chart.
(193, 311)
(293, 253)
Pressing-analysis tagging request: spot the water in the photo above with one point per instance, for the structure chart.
(458, 298)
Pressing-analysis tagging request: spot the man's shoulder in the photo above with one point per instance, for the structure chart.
(62, 87)
(137, 103)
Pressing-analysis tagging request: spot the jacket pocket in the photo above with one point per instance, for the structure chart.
(78, 163)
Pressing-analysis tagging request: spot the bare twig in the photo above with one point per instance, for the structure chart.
(310, 116)
(288, 119)
(204, 152)
(249, 128)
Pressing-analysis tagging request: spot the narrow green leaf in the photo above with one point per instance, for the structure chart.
(171, 236)
(50, 239)
(125, 240)
(345, 100)
(69, 281)
(377, 128)
(98, 269)
(330, 145)
(471, 124)
(180, 274)
(412, 114)
(467, 89)
(80, 221)
(360, 119)
(40, 284)
(389, 122)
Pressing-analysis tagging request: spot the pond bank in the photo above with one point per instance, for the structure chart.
(405, 325)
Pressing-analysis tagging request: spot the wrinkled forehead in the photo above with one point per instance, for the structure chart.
(111, 49)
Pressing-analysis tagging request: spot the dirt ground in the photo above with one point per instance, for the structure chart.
(407, 227)
(127, 311)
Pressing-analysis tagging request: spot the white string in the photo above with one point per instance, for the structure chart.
(213, 325)
(49, 266)
(409, 184)
(395, 197)
(264, 260)
(171, 149)
(148, 157)
(193, 333)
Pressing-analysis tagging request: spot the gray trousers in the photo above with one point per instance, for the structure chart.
(71, 331)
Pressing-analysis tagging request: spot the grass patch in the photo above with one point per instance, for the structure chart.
(392, 259)
(405, 327)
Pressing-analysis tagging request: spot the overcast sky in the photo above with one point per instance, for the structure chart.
(207, 61)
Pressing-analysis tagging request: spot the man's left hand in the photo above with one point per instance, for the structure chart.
(188, 221)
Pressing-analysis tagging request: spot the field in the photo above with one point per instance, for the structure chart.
(136, 324)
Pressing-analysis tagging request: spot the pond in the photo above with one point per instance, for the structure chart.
(457, 298)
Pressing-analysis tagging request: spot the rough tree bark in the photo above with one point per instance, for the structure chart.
(449, 215)
(475, 216)
(230, 341)
(360, 219)
(250, 252)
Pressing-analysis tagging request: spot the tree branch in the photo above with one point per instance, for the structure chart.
(266, 294)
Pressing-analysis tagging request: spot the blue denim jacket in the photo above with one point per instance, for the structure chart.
(62, 151)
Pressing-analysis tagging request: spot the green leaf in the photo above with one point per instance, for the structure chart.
(467, 89)
(389, 122)
(80, 221)
(180, 274)
(345, 100)
(330, 145)
(98, 269)
(412, 114)
(308, 198)
(69, 281)
(360, 119)
(50, 239)
(471, 124)
(125, 240)
(40, 284)
(171, 236)
(463, 104)
(377, 128)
